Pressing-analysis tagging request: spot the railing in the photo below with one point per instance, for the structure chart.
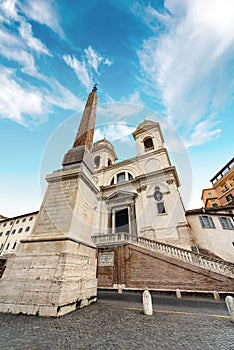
(114, 237)
(203, 261)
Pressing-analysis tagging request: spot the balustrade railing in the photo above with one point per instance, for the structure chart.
(197, 259)
(203, 261)
(114, 237)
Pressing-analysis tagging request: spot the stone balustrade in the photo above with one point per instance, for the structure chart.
(222, 267)
(113, 238)
(203, 261)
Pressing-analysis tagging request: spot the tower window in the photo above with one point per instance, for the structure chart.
(109, 162)
(148, 143)
(97, 162)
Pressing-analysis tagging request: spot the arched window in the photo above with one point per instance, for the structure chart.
(148, 143)
(121, 177)
(109, 162)
(97, 162)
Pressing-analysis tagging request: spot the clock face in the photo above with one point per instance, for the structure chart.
(158, 195)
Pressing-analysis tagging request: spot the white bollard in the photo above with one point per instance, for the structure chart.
(230, 306)
(216, 296)
(120, 289)
(178, 293)
(147, 303)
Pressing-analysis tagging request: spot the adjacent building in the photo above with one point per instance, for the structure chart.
(222, 191)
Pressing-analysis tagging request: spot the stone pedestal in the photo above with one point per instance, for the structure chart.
(54, 271)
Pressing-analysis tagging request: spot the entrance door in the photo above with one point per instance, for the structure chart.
(121, 221)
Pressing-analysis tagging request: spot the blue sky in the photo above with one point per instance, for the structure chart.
(170, 61)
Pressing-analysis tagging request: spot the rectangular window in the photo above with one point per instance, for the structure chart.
(8, 245)
(226, 223)
(161, 208)
(209, 194)
(27, 229)
(17, 221)
(7, 233)
(13, 231)
(5, 224)
(20, 230)
(229, 197)
(24, 220)
(30, 219)
(14, 245)
(206, 221)
(1, 233)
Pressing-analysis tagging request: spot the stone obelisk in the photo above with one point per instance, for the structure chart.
(54, 270)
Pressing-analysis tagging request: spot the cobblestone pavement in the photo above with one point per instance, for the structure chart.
(118, 322)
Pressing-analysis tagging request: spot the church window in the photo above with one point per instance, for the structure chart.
(97, 162)
(109, 162)
(121, 177)
(148, 143)
(206, 221)
(161, 208)
(226, 223)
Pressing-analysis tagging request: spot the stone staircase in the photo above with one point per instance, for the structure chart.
(206, 262)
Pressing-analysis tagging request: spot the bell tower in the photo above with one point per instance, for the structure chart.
(54, 270)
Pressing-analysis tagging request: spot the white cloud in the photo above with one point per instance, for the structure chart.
(16, 101)
(25, 31)
(204, 131)
(27, 104)
(81, 70)
(94, 59)
(189, 62)
(128, 106)
(8, 6)
(42, 11)
(87, 67)
(114, 131)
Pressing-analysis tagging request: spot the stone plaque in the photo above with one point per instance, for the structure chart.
(106, 259)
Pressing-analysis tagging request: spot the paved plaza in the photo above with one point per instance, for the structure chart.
(117, 321)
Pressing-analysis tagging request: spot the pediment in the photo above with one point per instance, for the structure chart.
(118, 195)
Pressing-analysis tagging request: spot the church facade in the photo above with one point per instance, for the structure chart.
(107, 223)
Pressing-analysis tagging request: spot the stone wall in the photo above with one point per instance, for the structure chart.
(137, 267)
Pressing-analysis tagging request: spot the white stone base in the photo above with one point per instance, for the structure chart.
(49, 284)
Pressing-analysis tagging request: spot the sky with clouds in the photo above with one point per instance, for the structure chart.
(170, 61)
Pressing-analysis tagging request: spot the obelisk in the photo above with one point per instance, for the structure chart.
(54, 270)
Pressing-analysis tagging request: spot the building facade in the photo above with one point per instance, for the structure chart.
(12, 230)
(222, 191)
(107, 223)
